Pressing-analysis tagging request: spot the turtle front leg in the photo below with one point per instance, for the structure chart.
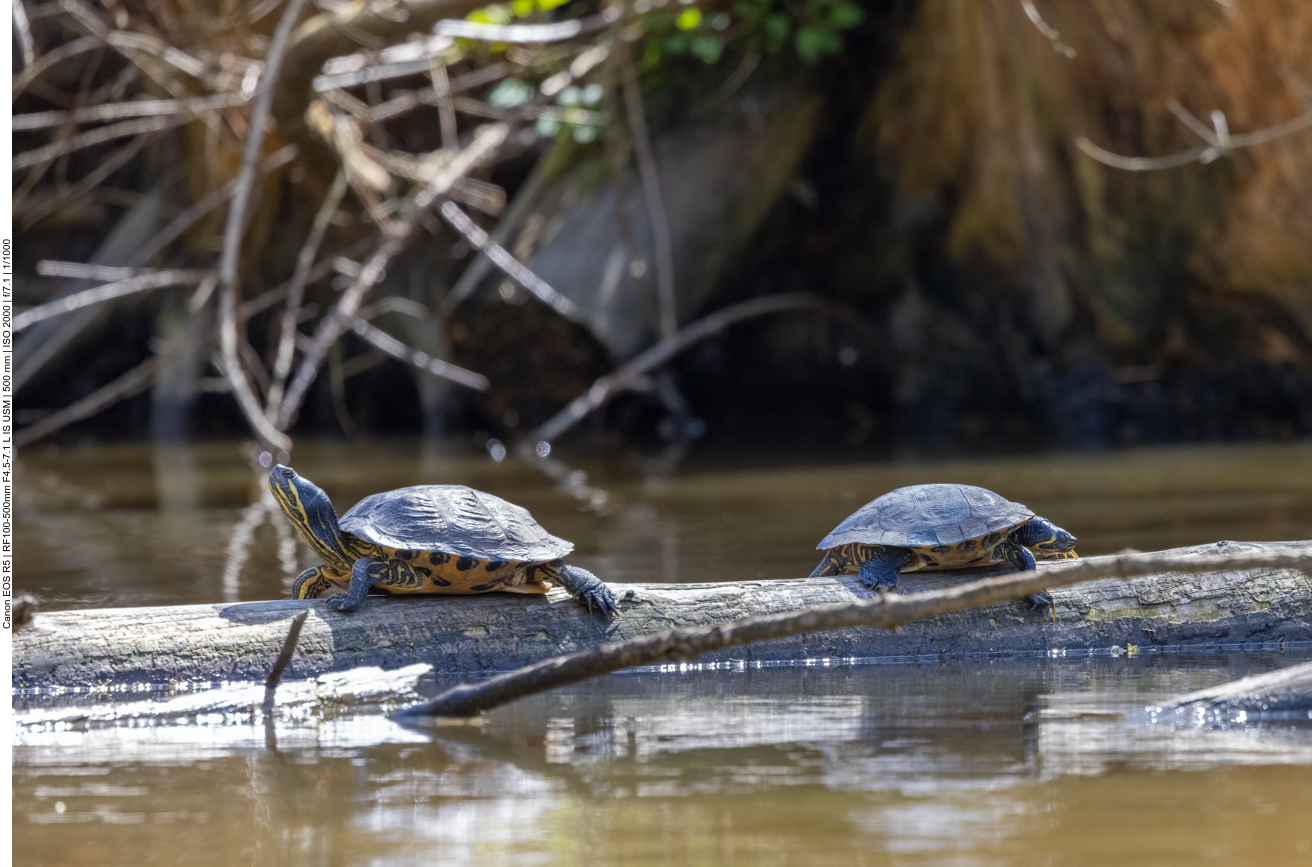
(1020, 557)
(310, 583)
(583, 586)
(880, 570)
(364, 574)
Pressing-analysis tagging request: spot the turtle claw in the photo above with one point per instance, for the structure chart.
(604, 600)
(591, 591)
(340, 602)
(1042, 599)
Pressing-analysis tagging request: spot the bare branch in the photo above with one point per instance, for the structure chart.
(667, 313)
(286, 348)
(884, 612)
(58, 148)
(513, 268)
(398, 350)
(1218, 138)
(69, 49)
(446, 110)
(486, 142)
(139, 108)
(32, 214)
(188, 218)
(133, 382)
(1049, 32)
(108, 292)
(527, 33)
(236, 225)
(23, 31)
(633, 371)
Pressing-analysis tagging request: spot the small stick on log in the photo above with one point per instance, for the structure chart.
(887, 611)
(288, 648)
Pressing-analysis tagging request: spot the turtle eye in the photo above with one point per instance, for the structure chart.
(288, 472)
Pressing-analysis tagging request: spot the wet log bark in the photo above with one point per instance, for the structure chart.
(470, 637)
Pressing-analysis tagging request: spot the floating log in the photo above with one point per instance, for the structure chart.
(469, 637)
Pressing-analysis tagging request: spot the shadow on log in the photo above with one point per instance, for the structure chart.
(471, 637)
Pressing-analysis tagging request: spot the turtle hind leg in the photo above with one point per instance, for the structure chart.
(364, 574)
(587, 588)
(1020, 557)
(310, 583)
(880, 570)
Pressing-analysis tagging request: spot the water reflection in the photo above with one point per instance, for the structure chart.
(983, 763)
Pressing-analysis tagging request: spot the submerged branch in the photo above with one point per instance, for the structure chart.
(280, 664)
(885, 612)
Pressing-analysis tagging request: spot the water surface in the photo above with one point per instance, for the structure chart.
(974, 762)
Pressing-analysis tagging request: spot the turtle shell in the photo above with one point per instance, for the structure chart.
(453, 519)
(928, 515)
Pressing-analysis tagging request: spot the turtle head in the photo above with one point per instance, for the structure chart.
(311, 513)
(1047, 540)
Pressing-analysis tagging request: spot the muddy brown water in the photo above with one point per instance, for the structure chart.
(973, 762)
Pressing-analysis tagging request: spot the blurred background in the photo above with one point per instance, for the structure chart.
(917, 164)
(579, 253)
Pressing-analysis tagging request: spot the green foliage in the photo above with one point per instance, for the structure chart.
(813, 29)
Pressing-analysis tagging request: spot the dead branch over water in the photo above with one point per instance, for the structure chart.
(884, 612)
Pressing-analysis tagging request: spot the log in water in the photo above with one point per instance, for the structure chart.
(468, 637)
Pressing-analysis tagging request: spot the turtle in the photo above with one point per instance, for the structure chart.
(428, 539)
(942, 526)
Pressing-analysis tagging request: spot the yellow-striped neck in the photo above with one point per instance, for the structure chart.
(312, 514)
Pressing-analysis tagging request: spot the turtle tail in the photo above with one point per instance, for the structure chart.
(829, 565)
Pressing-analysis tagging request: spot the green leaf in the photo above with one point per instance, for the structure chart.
(814, 42)
(548, 5)
(676, 44)
(777, 28)
(499, 14)
(689, 19)
(510, 93)
(523, 8)
(846, 16)
(707, 48)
